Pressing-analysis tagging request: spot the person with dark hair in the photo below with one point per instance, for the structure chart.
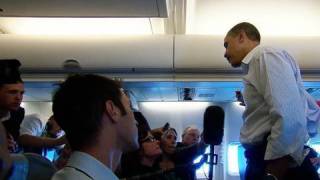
(16, 166)
(11, 94)
(274, 129)
(95, 114)
(141, 161)
(141, 164)
(167, 162)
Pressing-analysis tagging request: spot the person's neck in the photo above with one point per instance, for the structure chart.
(251, 45)
(147, 161)
(107, 152)
(108, 157)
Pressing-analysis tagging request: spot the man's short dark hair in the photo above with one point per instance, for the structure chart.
(79, 104)
(250, 30)
(9, 72)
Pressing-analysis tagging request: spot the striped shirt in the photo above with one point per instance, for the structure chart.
(275, 103)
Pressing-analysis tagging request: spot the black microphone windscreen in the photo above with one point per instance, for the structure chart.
(213, 123)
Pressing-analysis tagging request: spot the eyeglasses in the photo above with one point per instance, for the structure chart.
(148, 139)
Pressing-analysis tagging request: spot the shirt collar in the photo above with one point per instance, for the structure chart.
(246, 60)
(90, 165)
(249, 56)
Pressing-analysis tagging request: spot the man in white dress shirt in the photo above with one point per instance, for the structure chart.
(98, 122)
(274, 129)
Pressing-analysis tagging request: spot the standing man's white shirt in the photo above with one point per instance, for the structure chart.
(82, 166)
(275, 103)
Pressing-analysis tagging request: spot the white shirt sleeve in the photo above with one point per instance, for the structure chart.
(31, 125)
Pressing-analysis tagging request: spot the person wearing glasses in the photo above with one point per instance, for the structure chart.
(142, 162)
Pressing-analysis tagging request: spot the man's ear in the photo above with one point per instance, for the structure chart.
(241, 36)
(112, 111)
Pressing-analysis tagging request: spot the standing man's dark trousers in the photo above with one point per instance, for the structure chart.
(256, 165)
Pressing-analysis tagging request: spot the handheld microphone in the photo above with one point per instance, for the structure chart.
(213, 123)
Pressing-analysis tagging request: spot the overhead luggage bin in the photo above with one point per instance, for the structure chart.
(92, 52)
(206, 52)
(83, 8)
(199, 52)
(305, 50)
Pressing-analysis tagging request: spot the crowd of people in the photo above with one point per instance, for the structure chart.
(95, 134)
(92, 130)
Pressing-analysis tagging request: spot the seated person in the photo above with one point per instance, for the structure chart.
(168, 146)
(149, 162)
(141, 164)
(37, 138)
(166, 162)
(188, 150)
